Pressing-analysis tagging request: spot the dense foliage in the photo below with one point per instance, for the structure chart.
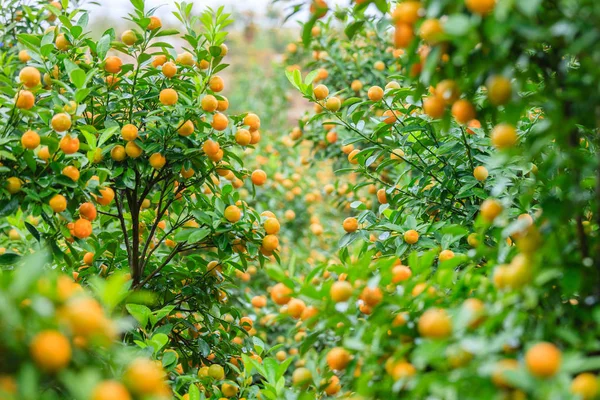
(453, 254)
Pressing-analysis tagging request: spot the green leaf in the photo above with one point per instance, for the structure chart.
(354, 27)
(77, 77)
(140, 313)
(103, 46)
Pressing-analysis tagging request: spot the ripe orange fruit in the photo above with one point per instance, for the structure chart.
(30, 140)
(24, 99)
(88, 258)
(253, 121)
(68, 144)
(82, 228)
(168, 97)
(356, 85)
(232, 214)
(169, 69)
(30, 77)
(88, 211)
(498, 376)
(223, 104)
(61, 42)
(159, 60)
(186, 129)
(341, 291)
(463, 111)
(50, 350)
(504, 136)
(401, 273)
(391, 116)
(434, 107)
(113, 64)
(403, 35)
(219, 122)
(375, 93)
(333, 386)
(110, 390)
(446, 255)
(61, 122)
(371, 296)
(271, 226)
(301, 377)
(431, 31)
(129, 37)
(338, 358)
(490, 209)
(295, 308)
(334, 104)
(543, 360)
(129, 132)
(216, 83)
(243, 137)
(118, 153)
(24, 56)
(352, 156)
(448, 91)
(411, 236)
(185, 58)
(155, 23)
(379, 65)
(144, 377)
(382, 196)
(397, 154)
(259, 301)
(133, 150)
(106, 196)
(211, 147)
(585, 385)
(480, 173)
(259, 177)
(157, 161)
(499, 90)
(187, 173)
(407, 12)
(481, 7)
(435, 323)
(350, 224)
(209, 103)
(71, 172)
(13, 185)
(270, 243)
(321, 92)
(246, 323)
(58, 203)
(331, 137)
(281, 294)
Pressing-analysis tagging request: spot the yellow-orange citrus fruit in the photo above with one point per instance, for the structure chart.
(58, 203)
(435, 323)
(321, 92)
(259, 177)
(253, 121)
(481, 7)
(219, 122)
(341, 291)
(233, 213)
(30, 77)
(431, 31)
(113, 64)
(480, 173)
(169, 69)
(350, 224)
(129, 132)
(157, 161)
(110, 390)
(50, 350)
(543, 360)
(155, 23)
(25, 100)
(129, 37)
(499, 90)
(338, 358)
(82, 228)
(490, 209)
(88, 211)
(71, 172)
(209, 103)
(504, 136)
(216, 83)
(585, 385)
(411, 236)
(186, 129)
(463, 111)
(375, 93)
(168, 97)
(281, 294)
(30, 140)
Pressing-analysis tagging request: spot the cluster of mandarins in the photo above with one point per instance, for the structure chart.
(71, 333)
